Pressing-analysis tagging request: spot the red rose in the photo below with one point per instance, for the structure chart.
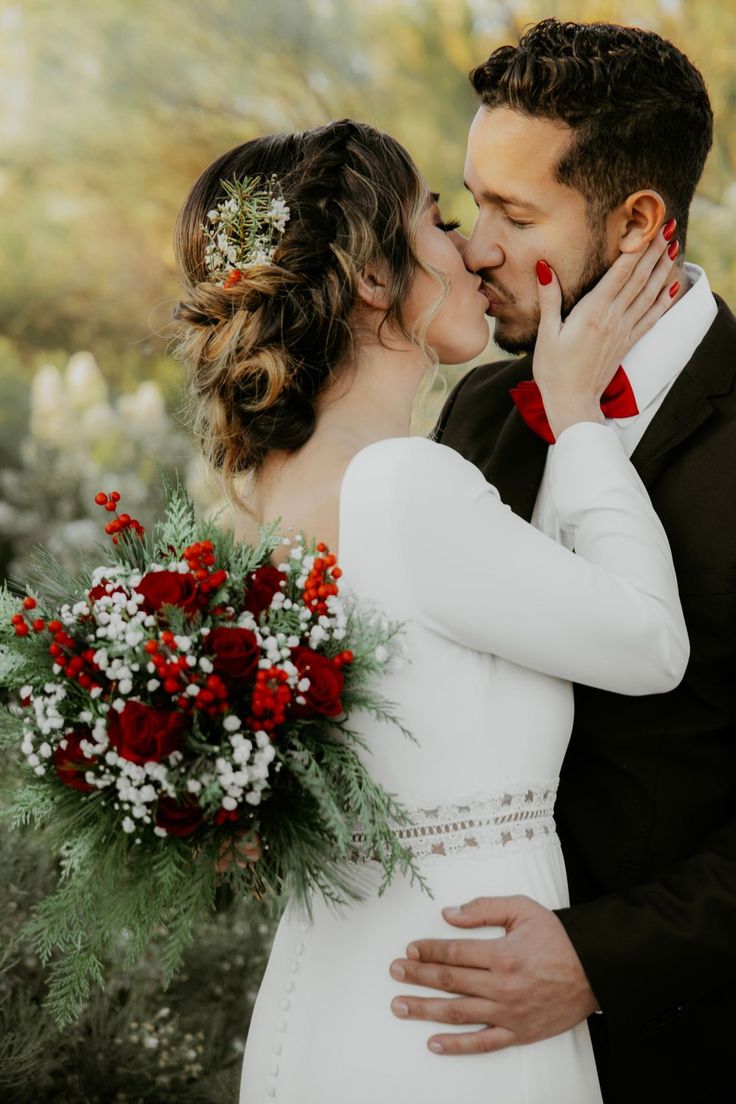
(235, 652)
(169, 588)
(141, 733)
(264, 583)
(179, 818)
(326, 684)
(101, 591)
(71, 762)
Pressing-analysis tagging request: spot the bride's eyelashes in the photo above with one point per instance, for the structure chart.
(451, 224)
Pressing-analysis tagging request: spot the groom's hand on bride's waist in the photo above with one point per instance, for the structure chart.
(524, 986)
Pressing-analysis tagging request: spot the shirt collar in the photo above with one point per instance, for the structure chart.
(661, 354)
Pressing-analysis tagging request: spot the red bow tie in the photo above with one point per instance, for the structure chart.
(617, 401)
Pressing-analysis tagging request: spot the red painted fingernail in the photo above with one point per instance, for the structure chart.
(544, 273)
(668, 229)
(674, 290)
(673, 249)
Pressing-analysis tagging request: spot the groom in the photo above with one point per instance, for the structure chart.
(588, 140)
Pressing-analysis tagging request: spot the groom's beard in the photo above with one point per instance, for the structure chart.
(595, 267)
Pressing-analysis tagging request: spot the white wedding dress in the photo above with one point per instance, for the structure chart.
(499, 618)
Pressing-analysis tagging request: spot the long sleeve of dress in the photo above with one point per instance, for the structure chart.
(607, 615)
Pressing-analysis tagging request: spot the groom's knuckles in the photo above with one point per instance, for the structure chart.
(454, 952)
(430, 974)
(441, 1011)
(481, 954)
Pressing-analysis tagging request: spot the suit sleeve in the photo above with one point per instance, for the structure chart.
(652, 949)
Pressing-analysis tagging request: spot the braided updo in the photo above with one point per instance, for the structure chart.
(260, 352)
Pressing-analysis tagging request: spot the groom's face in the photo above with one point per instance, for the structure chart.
(526, 215)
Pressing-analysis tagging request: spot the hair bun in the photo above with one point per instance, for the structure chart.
(261, 351)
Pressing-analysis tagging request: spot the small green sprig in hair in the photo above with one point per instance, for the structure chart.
(243, 230)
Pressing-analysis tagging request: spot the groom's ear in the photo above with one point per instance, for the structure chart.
(638, 219)
(372, 287)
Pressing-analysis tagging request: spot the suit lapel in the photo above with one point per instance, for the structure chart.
(709, 372)
(518, 459)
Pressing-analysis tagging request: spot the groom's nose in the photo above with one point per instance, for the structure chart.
(481, 252)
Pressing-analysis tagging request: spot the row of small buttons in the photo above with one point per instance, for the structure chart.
(278, 1046)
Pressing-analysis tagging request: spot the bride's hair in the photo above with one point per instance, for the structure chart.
(260, 352)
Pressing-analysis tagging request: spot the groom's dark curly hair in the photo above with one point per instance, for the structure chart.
(638, 107)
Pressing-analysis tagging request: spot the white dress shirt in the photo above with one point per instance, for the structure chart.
(652, 366)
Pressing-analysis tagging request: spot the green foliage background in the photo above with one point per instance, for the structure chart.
(108, 111)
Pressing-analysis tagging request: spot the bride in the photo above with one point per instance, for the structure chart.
(305, 362)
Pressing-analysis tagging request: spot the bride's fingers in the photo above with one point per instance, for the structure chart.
(627, 276)
(243, 849)
(550, 301)
(658, 285)
(648, 276)
(652, 316)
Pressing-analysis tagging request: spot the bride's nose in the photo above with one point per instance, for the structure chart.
(459, 241)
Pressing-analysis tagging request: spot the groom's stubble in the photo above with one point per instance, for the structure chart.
(595, 266)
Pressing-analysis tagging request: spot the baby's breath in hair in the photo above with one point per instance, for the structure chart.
(244, 229)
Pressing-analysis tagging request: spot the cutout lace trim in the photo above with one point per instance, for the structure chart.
(484, 822)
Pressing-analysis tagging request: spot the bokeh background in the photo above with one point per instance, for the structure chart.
(109, 109)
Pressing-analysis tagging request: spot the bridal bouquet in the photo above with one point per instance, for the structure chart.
(181, 696)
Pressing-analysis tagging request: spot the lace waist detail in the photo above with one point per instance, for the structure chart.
(497, 821)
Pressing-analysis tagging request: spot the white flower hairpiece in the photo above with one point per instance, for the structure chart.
(244, 228)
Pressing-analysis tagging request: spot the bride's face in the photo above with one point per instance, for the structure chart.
(458, 330)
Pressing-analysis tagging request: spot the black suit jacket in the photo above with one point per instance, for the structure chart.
(647, 802)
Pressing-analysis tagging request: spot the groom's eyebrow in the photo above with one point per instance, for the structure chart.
(506, 200)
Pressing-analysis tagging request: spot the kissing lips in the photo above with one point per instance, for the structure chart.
(495, 305)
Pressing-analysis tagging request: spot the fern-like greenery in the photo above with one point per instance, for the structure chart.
(323, 824)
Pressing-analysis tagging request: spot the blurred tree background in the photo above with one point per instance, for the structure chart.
(109, 109)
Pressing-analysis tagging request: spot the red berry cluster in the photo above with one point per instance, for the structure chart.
(78, 666)
(200, 558)
(271, 697)
(233, 277)
(121, 522)
(343, 658)
(175, 675)
(19, 623)
(321, 581)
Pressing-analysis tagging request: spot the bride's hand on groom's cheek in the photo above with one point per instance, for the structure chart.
(525, 986)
